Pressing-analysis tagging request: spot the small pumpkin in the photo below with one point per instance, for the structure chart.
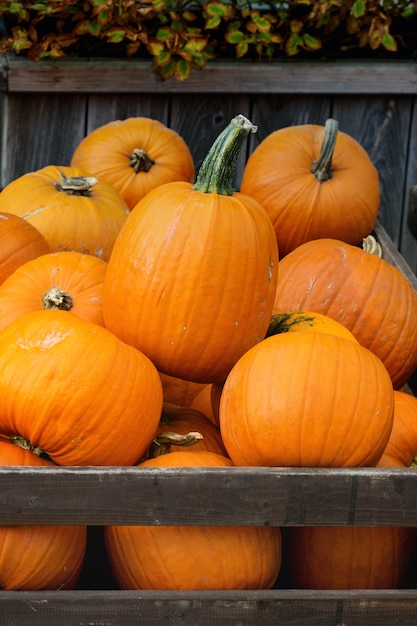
(38, 557)
(135, 155)
(314, 182)
(193, 557)
(19, 242)
(307, 399)
(71, 389)
(69, 281)
(183, 420)
(71, 208)
(192, 276)
(358, 289)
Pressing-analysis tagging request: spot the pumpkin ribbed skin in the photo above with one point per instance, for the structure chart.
(192, 276)
(70, 281)
(85, 220)
(401, 449)
(352, 557)
(193, 557)
(76, 391)
(108, 152)
(361, 291)
(19, 242)
(307, 399)
(302, 207)
(38, 557)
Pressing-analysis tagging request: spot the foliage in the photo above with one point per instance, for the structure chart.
(181, 34)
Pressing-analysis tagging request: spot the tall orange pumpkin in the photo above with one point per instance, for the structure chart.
(307, 399)
(19, 242)
(314, 182)
(361, 291)
(193, 272)
(193, 557)
(38, 557)
(72, 209)
(70, 281)
(135, 155)
(71, 389)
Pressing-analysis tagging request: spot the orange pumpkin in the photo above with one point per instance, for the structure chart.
(135, 155)
(19, 242)
(193, 557)
(38, 557)
(72, 209)
(307, 399)
(179, 391)
(401, 449)
(183, 420)
(192, 276)
(70, 388)
(360, 290)
(70, 281)
(203, 403)
(351, 557)
(314, 182)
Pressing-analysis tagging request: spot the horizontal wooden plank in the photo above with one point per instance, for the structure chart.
(208, 496)
(285, 76)
(205, 608)
(393, 256)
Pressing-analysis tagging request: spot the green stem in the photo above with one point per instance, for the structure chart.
(218, 168)
(322, 168)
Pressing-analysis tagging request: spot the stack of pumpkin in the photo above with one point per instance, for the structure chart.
(149, 320)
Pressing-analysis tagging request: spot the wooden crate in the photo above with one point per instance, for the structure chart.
(284, 497)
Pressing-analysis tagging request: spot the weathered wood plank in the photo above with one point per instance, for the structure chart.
(133, 76)
(209, 496)
(408, 242)
(106, 108)
(205, 608)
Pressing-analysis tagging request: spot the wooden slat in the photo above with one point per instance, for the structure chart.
(133, 76)
(209, 496)
(206, 608)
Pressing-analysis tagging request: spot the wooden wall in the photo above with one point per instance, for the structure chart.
(47, 108)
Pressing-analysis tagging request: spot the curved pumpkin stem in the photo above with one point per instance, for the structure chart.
(370, 245)
(76, 185)
(20, 441)
(218, 168)
(56, 298)
(322, 168)
(140, 161)
(163, 442)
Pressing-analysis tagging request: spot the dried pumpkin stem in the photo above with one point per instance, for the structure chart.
(218, 168)
(370, 245)
(322, 167)
(163, 442)
(76, 185)
(140, 161)
(24, 443)
(56, 298)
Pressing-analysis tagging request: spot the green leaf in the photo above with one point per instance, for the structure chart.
(234, 37)
(217, 8)
(115, 36)
(195, 45)
(155, 48)
(311, 43)
(164, 58)
(182, 70)
(163, 34)
(213, 22)
(389, 43)
(241, 49)
(359, 8)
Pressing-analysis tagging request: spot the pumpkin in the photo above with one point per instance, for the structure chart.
(192, 276)
(70, 281)
(358, 289)
(71, 389)
(351, 557)
(183, 420)
(193, 557)
(306, 399)
(72, 209)
(179, 391)
(135, 155)
(314, 182)
(38, 557)
(19, 242)
(401, 449)
(203, 403)
(300, 321)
